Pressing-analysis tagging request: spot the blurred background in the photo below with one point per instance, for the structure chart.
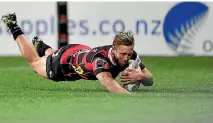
(160, 28)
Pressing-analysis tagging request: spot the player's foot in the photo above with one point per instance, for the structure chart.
(37, 41)
(39, 45)
(10, 20)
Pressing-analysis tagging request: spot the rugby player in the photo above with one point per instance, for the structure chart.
(78, 61)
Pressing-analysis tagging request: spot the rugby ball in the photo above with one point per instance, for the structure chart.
(134, 86)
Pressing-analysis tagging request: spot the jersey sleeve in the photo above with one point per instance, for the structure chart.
(100, 65)
(135, 57)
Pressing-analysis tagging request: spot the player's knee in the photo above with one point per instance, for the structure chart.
(147, 82)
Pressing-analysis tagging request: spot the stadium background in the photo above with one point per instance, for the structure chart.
(183, 83)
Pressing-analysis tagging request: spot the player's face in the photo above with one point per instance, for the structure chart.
(123, 54)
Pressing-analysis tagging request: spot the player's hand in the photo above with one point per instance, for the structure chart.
(130, 75)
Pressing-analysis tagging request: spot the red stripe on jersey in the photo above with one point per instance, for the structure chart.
(71, 50)
(88, 66)
(105, 53)
(85, 57)
(83, 77)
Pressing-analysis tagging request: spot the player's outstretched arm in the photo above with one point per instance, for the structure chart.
(147, 78)
(109, 83)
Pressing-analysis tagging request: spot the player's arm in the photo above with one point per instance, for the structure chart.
(101, 69)
(109, 83)
(146, 77)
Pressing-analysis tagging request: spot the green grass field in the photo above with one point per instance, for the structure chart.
(182, 93)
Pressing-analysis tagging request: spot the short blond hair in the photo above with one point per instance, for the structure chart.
(123, 38)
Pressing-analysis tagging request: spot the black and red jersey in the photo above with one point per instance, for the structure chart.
(79, 61)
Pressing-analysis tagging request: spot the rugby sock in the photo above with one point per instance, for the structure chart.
(16, 31)
(41, 48)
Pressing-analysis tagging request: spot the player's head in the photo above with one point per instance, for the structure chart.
(123, 45)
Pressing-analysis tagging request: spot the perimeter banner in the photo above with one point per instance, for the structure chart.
(160, 28)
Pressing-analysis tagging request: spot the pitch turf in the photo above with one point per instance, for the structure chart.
(182, 93)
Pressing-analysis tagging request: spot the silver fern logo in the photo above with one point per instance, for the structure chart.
(181, 25)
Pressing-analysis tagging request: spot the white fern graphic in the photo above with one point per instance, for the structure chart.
(184, 37)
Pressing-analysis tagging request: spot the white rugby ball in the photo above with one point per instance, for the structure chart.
(134, 86)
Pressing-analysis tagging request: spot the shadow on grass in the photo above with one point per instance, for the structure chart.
(176, 90)
(142, 90)
(62, 89)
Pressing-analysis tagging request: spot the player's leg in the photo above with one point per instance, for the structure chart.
(42, 48)
(28, 51)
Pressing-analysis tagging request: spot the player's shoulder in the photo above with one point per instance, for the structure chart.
(103, 47)
(102, 51)
(99, 52)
